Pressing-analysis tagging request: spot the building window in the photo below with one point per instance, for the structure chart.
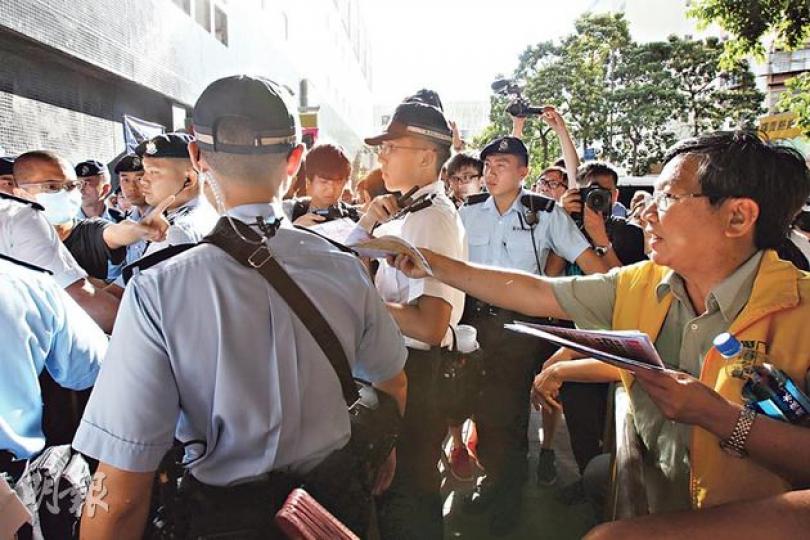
(185, 5)
(202, 13)
(221, 25)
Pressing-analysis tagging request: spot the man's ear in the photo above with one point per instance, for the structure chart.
(105, 190)
(294, 159)
(742, 215)
(194, 154)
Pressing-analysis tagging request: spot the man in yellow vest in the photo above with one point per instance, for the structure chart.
(722, 203)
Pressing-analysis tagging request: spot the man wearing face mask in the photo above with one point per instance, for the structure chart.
(94, 242)
(168, 173)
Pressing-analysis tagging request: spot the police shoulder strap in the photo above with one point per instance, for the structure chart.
(32, 204)
(258, 257)
(25, 264)
(135, 268)
(476, 198)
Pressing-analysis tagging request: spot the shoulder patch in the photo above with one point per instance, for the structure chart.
(32, 204)
(151, 260)
(477, 198)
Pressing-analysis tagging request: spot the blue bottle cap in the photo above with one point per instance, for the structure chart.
(727, 345)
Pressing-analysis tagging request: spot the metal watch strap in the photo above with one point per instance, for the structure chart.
(735, 444)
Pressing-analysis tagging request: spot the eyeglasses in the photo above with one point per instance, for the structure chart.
(467, 179)
(51, 186)
(551, 184)
(386, 148)
(663, 201)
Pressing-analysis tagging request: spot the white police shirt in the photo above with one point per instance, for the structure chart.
(506, 240)
(439, 229)
(41, 327)
(204, 348)
(27, 236)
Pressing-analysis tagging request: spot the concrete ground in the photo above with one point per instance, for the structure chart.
(543, 517)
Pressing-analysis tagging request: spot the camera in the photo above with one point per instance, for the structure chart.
(597, 199)
(336, 212)
(518, 105)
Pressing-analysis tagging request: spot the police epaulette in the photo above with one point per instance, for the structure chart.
(149, 261)
(32, 204)
(476, 198)
(25, 264)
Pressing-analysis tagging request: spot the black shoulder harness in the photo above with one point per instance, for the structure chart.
(341, 247)
(25, 264)
(32, 204)
(476, 198)
(135, 268)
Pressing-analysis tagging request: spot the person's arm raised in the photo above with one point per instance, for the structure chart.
(517, 291)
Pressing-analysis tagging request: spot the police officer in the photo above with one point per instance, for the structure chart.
(411, 152)
(130, 173)
(26, 235)
(95, 186)
(504, 231)
(41, 328)
(168, 172)
(207, 342)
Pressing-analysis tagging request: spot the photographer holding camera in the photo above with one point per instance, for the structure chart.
(327, 169)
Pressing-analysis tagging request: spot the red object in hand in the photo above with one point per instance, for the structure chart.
(303, 518)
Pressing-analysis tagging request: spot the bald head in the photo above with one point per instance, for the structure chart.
(41, 165)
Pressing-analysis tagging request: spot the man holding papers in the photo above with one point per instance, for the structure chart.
(723, 202)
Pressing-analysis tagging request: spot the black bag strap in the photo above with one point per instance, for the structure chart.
(259, 257)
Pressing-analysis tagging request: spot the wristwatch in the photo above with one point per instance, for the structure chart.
(735, 444)
(602, 250)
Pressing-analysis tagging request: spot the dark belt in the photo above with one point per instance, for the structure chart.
(478, 309)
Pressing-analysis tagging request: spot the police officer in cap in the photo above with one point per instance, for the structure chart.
(130, 173)
(510, 227)
(412, 150)
(168, 172)
(205, 350)
(95, 186)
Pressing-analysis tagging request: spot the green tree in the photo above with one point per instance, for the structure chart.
(796, 99)
(643, 101)
(750, 20)
(712, 97)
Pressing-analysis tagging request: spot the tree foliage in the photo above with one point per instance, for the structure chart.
(796, 99)
(750, 20)
(627, 98)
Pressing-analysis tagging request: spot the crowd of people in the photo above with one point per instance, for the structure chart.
(168, 332)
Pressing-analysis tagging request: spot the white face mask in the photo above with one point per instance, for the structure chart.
(60, 207)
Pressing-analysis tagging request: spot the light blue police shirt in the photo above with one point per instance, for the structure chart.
(506, 240)
(205, 349)
(41, 327)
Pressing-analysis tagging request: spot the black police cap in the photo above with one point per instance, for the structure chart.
(129, 163)
(506, 145)
(6, 165)
(429, 97)
(263, 103)
(166, 145)
(91, 167)
(417, 119)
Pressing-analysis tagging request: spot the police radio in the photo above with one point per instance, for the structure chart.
(535, 203)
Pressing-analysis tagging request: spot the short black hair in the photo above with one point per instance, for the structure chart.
(740, 164)
(600, 168)
(461, 160)
(442, 155)
(559, 163)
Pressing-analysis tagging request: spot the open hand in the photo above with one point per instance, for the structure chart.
(546, 390)
(379, 210)
(681, 397)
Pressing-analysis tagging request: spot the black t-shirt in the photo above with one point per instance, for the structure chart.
(627, 240)
(86, 244)
(789, 251)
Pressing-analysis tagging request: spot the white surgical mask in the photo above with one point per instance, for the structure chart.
(60, 207)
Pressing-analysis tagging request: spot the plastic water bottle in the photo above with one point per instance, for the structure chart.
(767, 389)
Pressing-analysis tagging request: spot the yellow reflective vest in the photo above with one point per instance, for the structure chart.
(776, 320)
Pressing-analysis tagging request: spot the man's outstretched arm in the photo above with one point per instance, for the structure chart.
(517, 291)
